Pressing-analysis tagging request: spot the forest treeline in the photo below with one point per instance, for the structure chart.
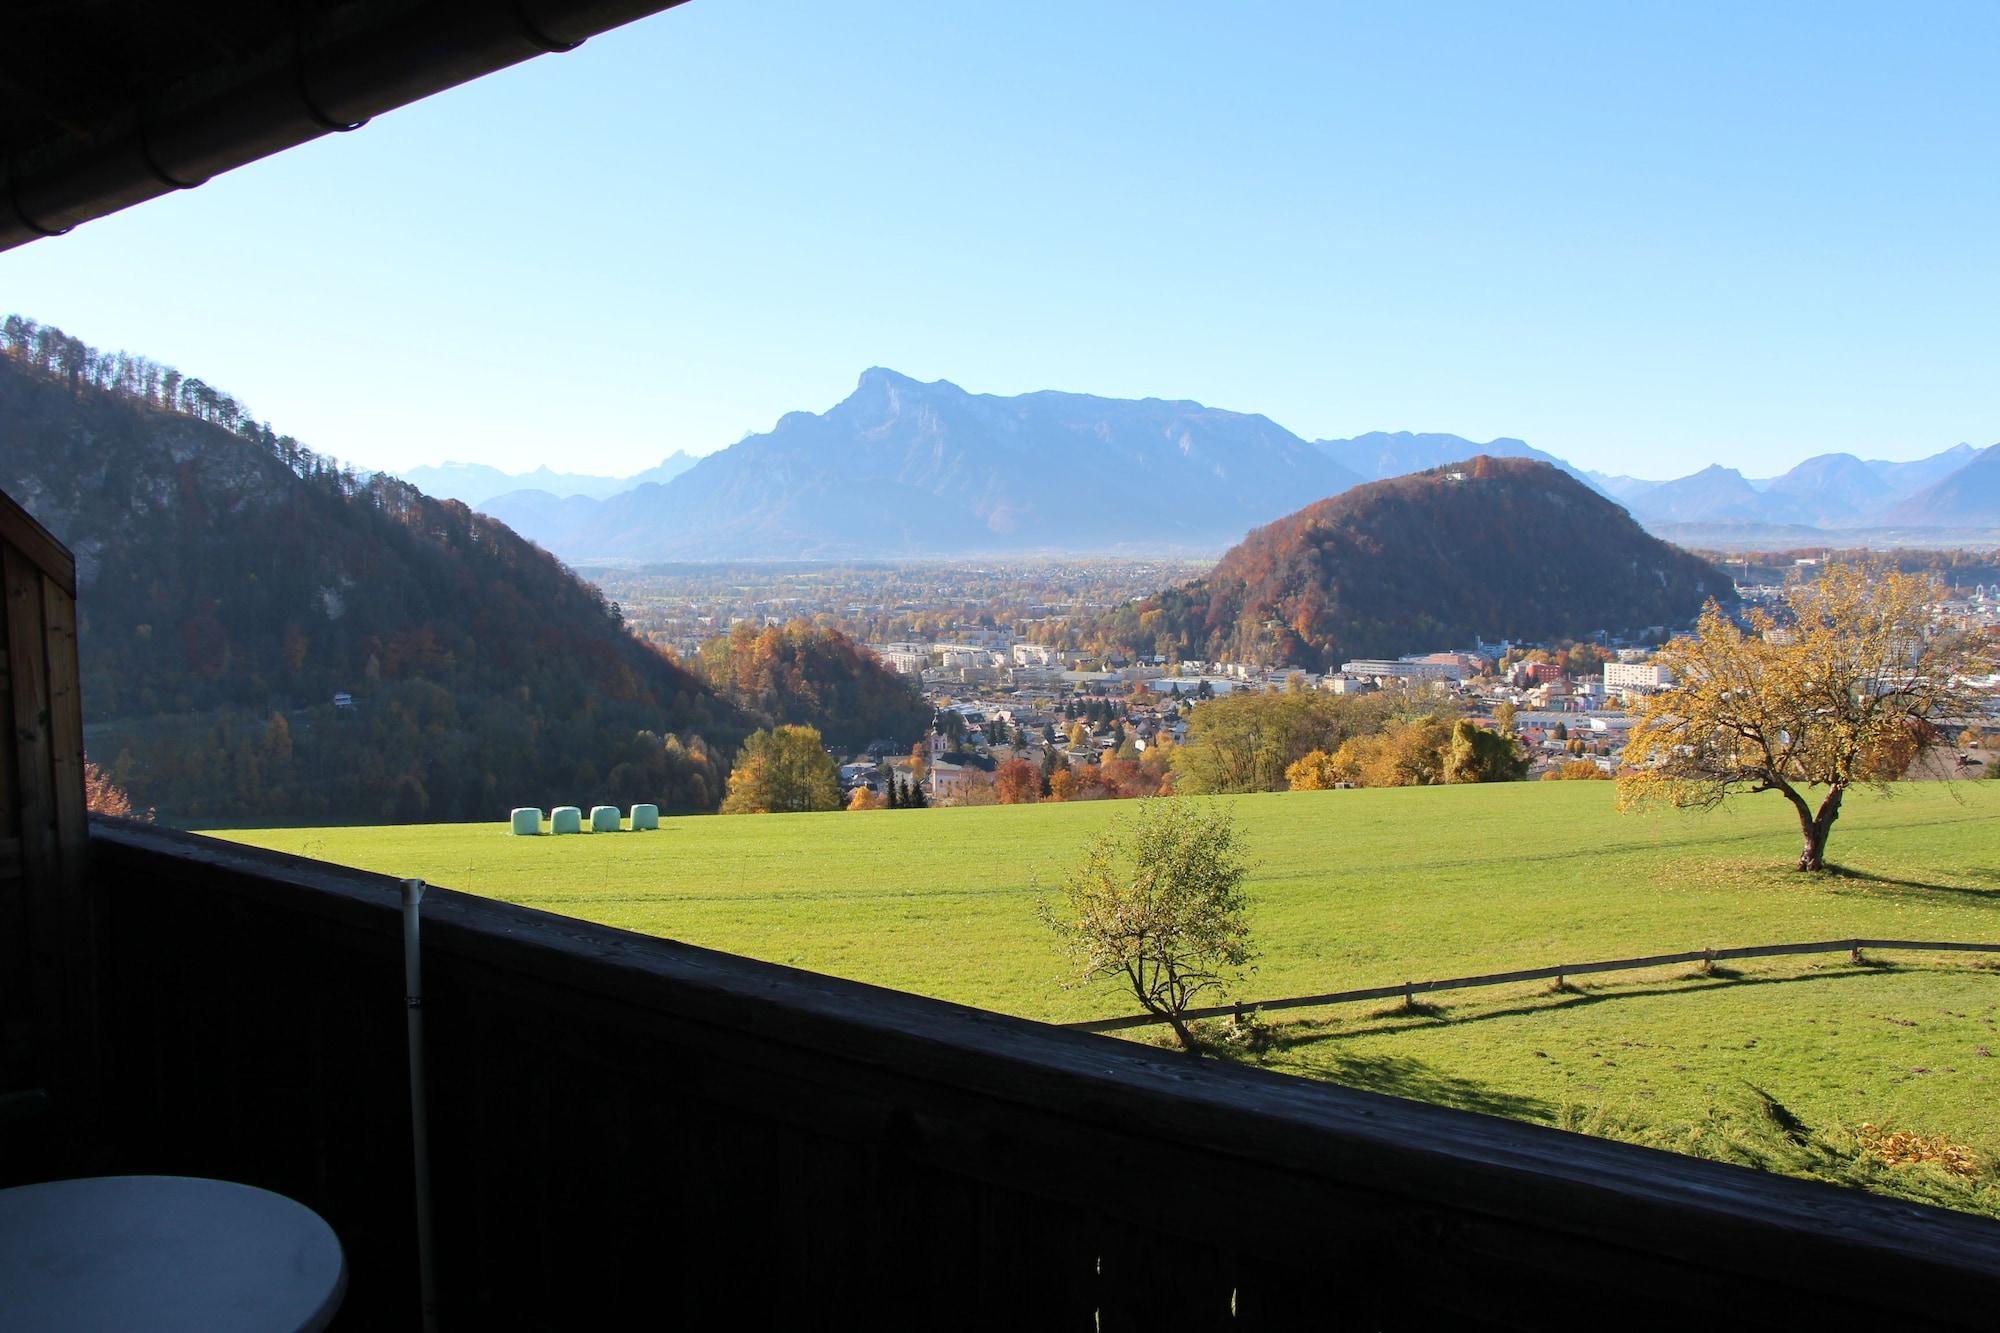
(267, 635)
(55, 355)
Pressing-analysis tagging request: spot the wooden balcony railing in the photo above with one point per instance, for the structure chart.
(624, 1124)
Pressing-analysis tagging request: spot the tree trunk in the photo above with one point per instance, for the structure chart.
(1816, 827)
(1181, 1030)
(1813, 855)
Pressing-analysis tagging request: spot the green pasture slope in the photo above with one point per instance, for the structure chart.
(1776, 1064)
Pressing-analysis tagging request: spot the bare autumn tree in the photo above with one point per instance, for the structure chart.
(1157, 902)
(1853, 683)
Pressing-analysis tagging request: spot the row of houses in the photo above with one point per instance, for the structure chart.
(986, 650)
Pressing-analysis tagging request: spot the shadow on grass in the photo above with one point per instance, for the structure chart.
(1904, 888)
(1404, 1076)
(1287, 1037)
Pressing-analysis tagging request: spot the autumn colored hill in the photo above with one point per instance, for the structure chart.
(266, 637)
(1490, 548)
(812, 676)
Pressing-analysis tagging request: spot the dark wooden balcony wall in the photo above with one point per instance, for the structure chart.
(47, 940)
(622, 1124)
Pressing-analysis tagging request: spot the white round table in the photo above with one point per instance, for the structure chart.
(164, 1253)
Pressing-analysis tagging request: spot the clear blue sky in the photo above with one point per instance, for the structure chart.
(1642, 237)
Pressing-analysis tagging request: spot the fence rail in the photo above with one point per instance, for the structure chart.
(1409, 990)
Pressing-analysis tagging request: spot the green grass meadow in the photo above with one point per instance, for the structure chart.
(1776, 1063)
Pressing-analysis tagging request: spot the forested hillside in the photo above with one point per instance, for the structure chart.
(1491, 548)
(819, 678)
(234, 584)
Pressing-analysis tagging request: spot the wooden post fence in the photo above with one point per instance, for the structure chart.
(1409, 990)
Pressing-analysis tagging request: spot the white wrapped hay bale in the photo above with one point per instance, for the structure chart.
(526, 821)
(603, 819)
(565, 819)
(645, 817)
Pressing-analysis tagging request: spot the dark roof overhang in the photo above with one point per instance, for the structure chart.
(107, 103)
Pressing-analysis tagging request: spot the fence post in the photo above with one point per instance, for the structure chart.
(1408, 989)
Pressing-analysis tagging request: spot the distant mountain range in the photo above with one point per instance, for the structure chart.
(1966, 497)
(1481, 549)
(1379, 455)
(1838, 494)
(476, 483)
(901, 468)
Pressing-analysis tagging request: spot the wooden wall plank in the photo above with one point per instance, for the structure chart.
(77, 917)
(10, 813)
(17, 1052)
(40, 951)
(65, 704)
(9, 805)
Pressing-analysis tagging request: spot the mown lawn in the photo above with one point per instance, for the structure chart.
(1777, 1065)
